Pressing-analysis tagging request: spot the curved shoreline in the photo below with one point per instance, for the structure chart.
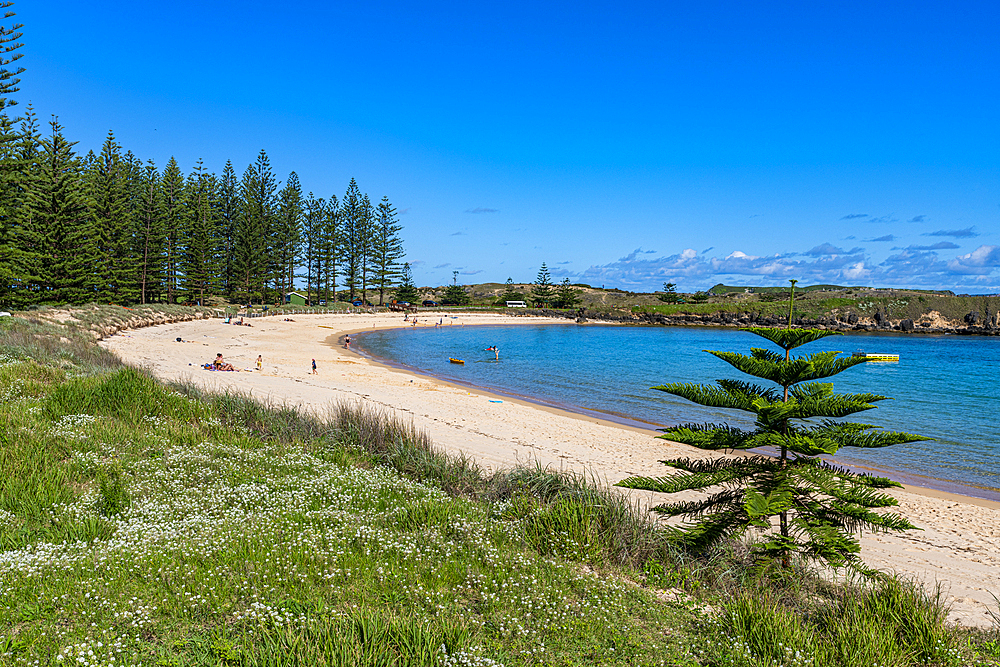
(959, 546)
(910, 479)
(623, 420)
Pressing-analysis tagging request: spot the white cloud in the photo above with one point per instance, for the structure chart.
(911, 267)
(857, 271)
(984, 255)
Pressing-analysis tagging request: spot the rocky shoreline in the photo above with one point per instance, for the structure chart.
(974, 323)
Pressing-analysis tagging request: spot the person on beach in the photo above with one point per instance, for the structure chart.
(347, 341)
(220, 364)
(314, 367)
(260, 362)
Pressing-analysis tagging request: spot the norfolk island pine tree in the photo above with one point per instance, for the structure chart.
(406, 291)
(455, 294)
(542, 292)
(818, 506)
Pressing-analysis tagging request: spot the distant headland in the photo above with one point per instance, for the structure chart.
(845, 308)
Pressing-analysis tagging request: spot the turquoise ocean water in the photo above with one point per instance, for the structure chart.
(945, 387)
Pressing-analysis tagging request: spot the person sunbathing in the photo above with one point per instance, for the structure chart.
(221, 365)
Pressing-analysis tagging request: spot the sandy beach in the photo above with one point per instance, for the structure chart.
(959, 546)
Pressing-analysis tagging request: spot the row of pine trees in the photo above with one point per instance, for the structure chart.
(112, 228)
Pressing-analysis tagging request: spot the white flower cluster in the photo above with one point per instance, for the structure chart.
(94, 653)
(71, 426)
(6, 518)
(12, 392)
(469, 658)
(257, 611)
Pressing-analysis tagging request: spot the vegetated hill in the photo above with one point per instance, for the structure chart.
(865, 307)
(932, 308)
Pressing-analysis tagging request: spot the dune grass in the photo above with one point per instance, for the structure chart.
(148, 524)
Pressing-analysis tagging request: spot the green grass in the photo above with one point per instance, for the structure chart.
(888, 623)
(175, 531)
(148, 524)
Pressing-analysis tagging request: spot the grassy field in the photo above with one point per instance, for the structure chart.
(154, 525)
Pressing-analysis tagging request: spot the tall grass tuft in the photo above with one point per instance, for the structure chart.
(382, 438)
(607, 525)
(767, 632)
(392, 442)
(127, 395)
(114, 497)
(277, 423)
(890, 623)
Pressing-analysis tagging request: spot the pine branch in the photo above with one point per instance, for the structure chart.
(763, 354)
(760, 508)
(709, 436)
(786, 373)
(861, 479)
(708, 395)
(847, 434)
(729, 501)
(711, 530)
(789, 339)
(826, 542)
(699, 479)
(856, 518)
(864, 496)
(751, 391)
(817, 390)
(837, 405)
(811, 390)
(802, 444)
(752, 465)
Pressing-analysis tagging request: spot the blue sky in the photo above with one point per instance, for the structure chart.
(624, 144)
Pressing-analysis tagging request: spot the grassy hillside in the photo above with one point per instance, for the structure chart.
(814, 301)
(146, 524)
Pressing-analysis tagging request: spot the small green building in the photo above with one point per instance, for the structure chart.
(295, 299)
